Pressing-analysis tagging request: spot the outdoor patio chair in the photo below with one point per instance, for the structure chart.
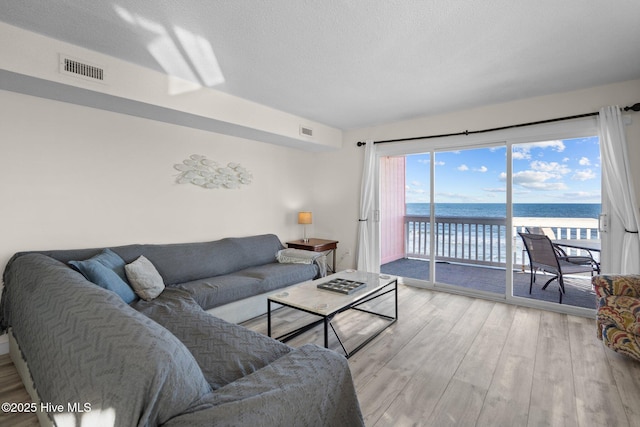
(547, 231)
(582, 260)
(543, 256)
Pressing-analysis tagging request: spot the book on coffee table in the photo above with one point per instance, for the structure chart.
(342, 286)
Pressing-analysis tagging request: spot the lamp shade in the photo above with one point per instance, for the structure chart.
(304, 217)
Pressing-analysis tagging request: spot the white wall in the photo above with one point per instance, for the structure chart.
(73, 177)
(337, 194)
(31, 63)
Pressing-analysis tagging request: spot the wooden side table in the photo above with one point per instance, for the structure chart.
(317, 245)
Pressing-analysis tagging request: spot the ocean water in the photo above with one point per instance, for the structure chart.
(478, 242)
(498, 210)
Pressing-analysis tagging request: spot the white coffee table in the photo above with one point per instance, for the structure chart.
(327, 304)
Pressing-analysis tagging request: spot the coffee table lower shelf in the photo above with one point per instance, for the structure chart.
(326, 318)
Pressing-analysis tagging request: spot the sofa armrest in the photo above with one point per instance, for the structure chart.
(617, 284)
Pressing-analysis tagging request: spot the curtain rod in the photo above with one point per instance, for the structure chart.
(634, 107)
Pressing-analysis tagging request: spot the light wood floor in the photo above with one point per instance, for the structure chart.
(454, 360)
(12, 390)
(451, 360)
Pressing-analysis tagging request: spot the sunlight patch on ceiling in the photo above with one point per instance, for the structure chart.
(201, 54)
(186, 56)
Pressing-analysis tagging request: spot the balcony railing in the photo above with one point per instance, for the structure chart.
(475, 240)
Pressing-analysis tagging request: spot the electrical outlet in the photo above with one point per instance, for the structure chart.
(345, 254)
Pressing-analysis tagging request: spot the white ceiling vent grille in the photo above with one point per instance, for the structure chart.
(305, 131)
(82, 69)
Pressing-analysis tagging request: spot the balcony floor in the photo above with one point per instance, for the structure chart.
(578, 290)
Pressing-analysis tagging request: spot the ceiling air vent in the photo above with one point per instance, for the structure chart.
(305, 131)
(82, 69)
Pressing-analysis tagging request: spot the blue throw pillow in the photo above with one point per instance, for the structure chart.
(107, 271)
(112, 261)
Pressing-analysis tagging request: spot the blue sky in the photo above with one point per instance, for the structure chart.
(559, 171)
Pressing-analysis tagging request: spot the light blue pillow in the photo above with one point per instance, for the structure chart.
(112, 261)
(107, 271)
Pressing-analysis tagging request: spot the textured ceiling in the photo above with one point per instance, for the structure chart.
(356, 63)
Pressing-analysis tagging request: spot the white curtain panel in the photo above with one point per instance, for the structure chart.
(617, 180)
(366, 256)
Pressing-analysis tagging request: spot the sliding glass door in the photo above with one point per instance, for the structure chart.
(470, 219)
(557, 193)
(454, 219)
(461, 242)
(405, 213)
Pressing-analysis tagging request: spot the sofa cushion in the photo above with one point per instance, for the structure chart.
(185, 262)
(621, 341)
(215, 291)
(275, 275)
(623, 312)
(224, 351)
(256, 250)
(144, 278)
(309, 386)
(107, 271)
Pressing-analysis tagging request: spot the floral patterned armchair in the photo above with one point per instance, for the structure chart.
(618, 312)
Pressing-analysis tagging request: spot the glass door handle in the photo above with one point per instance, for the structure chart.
(602, 223)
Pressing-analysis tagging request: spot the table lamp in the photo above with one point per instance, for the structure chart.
(304, 218)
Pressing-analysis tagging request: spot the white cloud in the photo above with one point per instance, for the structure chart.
(416, 195)
(584, 161)
(583, 175)
(495, 190)
(444, 196)
(545, 186)
(439, 163)
(463, 168)
(552, 167)
(523, 151)
(532, 176)
(481, 169)
(536, 180)
(583, 195)
(556, 145)
(565, 160)
(521, 155)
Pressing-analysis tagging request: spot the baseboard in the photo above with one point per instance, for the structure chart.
(245, 309)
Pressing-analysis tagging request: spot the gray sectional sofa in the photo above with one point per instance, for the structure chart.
(166, 361)
(215, 273)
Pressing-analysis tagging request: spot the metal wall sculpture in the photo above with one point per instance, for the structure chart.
(200, 171)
